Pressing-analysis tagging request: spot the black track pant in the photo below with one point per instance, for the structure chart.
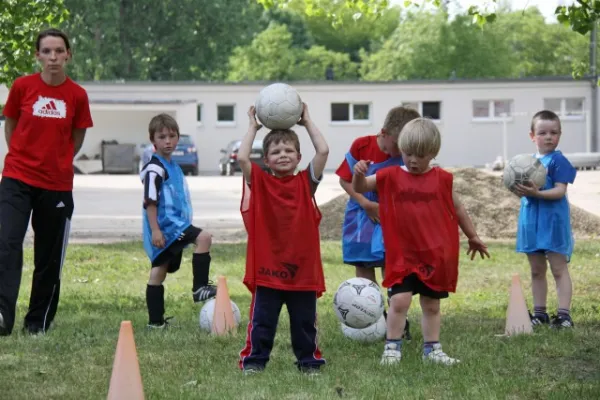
(50, 213)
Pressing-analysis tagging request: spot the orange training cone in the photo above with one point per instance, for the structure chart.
(223, 321)
(126, 380)
(517, 315)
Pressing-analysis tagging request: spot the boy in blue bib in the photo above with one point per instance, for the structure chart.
(167, 222)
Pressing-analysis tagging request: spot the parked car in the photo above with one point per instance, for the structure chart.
(228, 164)
(185, 154)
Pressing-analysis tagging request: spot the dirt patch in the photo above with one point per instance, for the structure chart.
(493, 209)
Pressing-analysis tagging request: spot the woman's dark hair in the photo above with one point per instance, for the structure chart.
(52, 32)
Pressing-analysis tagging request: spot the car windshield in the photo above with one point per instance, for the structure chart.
(185, 139)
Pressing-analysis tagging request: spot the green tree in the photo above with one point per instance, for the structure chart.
(270, 56)
(167, 40)
(20, 22)
(349, 34)
(581, 16)
(537, 48)
(314, 62)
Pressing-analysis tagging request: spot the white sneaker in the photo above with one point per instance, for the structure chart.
(391, 354)
(2, 326)
(437, 355)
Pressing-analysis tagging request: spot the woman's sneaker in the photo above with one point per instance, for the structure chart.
(3, 331)
(162, 325)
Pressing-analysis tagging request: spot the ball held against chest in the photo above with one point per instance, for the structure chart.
(524, 169)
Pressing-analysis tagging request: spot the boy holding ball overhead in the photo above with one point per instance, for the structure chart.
(283, 258)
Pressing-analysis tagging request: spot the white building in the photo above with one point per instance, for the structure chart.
(472, 115)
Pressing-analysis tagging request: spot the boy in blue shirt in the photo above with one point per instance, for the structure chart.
(544, 227)
(167, 222)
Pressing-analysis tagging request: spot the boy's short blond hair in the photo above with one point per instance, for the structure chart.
(280, 135)
(160, 122)
(397, 118)
(420, 137)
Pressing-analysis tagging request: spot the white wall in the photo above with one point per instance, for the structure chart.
(465, 141)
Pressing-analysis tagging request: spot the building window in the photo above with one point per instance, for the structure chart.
(199, 113)
(570, 107)
(351, 112)
(226, 113)
(428, 109)
(492, 109)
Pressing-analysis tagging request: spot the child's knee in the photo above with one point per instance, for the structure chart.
(400, 302)
(559, 266)
(157, 276)
(204, 240)
(538, 264)
(430, 306)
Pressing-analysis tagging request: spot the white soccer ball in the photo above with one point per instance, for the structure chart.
(278, 106)
(524, 168)
(358, 303)
(208, 311)
(371, 333)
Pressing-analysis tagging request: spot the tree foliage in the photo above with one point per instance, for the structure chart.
(20, 23)
(520, 43)
(272, 56)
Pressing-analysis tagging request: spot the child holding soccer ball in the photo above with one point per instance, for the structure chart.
(420, 214)
(544, 227)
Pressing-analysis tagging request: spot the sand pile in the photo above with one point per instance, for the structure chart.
(493, 209)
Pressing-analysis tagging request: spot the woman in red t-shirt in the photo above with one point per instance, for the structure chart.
(47, 115)
(420, 215)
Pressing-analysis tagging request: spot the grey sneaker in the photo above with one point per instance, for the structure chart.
(437, 355)
(391, 354)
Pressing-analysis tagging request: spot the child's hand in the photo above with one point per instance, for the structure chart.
(158, 239)
(361, 167)
(305, 117)
(252, 116)
(527, 190)
(372, 210)
(477, 245)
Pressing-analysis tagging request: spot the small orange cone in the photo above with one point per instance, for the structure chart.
(126, 380)
(223, 321)
(517, 315)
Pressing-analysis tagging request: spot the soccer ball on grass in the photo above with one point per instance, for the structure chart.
(358, 303)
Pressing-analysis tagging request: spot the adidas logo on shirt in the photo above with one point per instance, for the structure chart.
(47, 107)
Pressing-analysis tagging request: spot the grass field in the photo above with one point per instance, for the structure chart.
(105, 284)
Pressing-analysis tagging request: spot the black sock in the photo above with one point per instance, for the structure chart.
(155, 300)
(539, 311)
(200, 269)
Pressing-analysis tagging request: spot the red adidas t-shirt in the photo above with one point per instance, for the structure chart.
(41, 148)
(363, 148)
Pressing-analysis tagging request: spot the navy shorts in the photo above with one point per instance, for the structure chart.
(367, 264)
(412, 283)
(171, 256)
